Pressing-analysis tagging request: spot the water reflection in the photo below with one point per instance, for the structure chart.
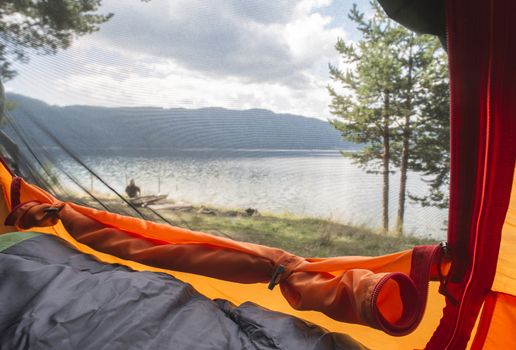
(312, 183)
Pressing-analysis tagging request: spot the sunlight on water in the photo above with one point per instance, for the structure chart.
(304, 183)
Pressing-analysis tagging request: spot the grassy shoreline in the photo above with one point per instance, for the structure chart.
(303, 236)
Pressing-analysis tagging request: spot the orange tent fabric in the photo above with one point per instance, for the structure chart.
(481, 229)
(377, 292)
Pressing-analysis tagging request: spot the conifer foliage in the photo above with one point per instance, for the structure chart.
(391, 94)
(43, 27)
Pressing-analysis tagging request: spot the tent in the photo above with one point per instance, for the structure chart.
(450, 296)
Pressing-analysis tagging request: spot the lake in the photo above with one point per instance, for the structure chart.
(303, 183)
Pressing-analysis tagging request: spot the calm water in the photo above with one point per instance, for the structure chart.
(317, 184)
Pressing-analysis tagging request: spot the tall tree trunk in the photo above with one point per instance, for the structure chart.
(405, 152)
(386, 159)
(403, 176)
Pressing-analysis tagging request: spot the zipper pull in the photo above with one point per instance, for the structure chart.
(443, 279)
(445, 249)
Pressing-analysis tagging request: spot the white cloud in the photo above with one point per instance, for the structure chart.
(234, 54)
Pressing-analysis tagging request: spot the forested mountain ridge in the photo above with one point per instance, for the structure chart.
(126, 128)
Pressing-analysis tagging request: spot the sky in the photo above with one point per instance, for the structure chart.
(236, 54)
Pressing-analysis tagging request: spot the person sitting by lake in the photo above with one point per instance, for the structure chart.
(132, 190)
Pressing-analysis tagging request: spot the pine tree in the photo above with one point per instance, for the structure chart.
(430, 145)
(392, 98)
(43, 27)
(367, 93)
(423, 123)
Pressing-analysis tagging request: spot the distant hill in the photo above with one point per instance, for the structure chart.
(98, 128)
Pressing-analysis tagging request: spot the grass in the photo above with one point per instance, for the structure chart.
(303, 236)
(308, 237)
